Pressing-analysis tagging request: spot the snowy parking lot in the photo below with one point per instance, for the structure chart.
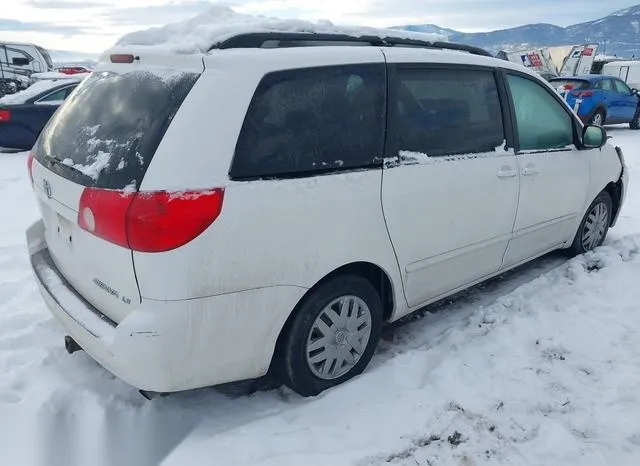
(537, 367)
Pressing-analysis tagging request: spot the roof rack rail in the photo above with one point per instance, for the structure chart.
(304, 39)
(394, 41)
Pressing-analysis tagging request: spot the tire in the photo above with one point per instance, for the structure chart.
(635, 123)
(309, 371)
(598, 118)
(600, 212)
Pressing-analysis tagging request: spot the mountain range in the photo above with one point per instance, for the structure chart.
(67, 57)
(617, 34)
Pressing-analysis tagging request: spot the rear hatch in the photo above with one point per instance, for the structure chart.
(90, 161)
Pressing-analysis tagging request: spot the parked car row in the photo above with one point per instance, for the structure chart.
(216, 221)
(20, 60)
(23, 115)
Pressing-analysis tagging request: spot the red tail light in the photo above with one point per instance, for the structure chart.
(122, 58)
(583, 93)
(30, 166)
(5, 114)
(103, 212)
(154, 221)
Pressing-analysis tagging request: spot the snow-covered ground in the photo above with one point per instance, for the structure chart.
(538, 367)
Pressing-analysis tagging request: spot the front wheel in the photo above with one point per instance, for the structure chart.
(597, 118)
(594, 226)
(635, 123)
(332, 337)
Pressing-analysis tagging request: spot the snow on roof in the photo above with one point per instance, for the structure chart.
(32, 91)
(219, 23)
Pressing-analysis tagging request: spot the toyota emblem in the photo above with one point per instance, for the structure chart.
(46, 186)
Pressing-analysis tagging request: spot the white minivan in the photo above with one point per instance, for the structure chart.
(272, 203)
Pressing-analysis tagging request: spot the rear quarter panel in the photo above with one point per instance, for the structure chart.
(16, 136)
(25, 125)
(589, 104)
(276, 233)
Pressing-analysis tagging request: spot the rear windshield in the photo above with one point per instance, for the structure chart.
(108, 130)
(570, 84)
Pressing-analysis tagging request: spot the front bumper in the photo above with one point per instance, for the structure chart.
(624, 181)
(168, 346)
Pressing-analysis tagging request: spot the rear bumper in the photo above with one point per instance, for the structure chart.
(167, 346)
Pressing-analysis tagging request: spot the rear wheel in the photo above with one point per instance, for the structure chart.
(594, 226)
(332, 337)
(597, 118)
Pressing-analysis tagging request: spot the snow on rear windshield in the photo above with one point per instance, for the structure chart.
(106, 133)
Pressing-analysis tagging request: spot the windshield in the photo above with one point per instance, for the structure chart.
(46, 56)
(107, 131)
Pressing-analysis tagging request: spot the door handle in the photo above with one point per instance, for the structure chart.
(530, 171)
(506, 172)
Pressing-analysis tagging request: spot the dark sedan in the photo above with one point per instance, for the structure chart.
(24, 115)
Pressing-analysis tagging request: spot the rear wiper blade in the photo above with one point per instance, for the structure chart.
(56, 161)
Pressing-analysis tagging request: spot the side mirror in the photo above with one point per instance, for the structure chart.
(594, 137)
(634, 91)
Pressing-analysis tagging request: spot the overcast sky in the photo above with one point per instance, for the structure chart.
(93, 25)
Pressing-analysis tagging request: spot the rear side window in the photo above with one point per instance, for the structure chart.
(57, 96)
(107, 131)
(448, 111)
(606, 85)
(542, 122)
(303, 122)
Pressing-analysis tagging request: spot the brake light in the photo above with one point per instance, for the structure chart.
(153, 221)
(30, 166)
(5, 114)
(583, 93)
(122, 58)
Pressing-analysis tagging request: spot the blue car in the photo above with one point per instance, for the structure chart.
(600, 100)
(24, 115)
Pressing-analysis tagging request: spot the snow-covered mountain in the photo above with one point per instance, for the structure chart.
(619, 33)
(67, 57)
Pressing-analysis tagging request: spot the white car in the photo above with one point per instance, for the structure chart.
(208, 217)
